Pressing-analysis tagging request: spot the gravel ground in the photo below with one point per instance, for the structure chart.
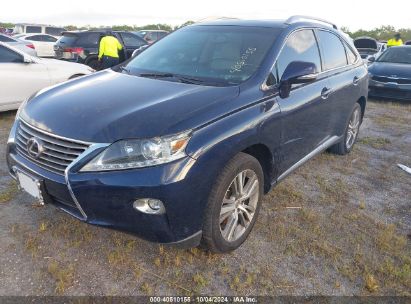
(339, 225)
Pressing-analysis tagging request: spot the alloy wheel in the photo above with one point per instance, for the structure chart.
(239, 205)
(353, 129)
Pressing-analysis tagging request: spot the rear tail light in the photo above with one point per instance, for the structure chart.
(73, 50)
(30, 46)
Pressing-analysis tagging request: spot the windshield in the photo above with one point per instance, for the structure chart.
(226, 55)
(396, 55)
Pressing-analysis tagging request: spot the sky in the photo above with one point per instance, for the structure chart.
(365, 14)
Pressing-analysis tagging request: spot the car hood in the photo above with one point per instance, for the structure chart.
(366, 43)
(396, 70)
(108, 106)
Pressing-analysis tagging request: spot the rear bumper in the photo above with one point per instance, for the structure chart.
(389, 90)
(106, 198)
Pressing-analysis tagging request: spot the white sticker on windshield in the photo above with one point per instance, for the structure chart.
(238, 66)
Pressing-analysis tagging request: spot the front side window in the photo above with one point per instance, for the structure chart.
(33, 29)
(333, 50)
(225, 54)
(8, 56)
(300, 46)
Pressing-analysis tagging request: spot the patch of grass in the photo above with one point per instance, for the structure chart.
(200, 280)
(370, 283)
(286, 194)
(9, 193)
(146, 288)
(32, 244)
(63, 276)
(375, 142)
(389, 240)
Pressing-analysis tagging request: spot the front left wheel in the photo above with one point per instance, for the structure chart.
(233, 204)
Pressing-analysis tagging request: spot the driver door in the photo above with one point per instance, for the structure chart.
(18, 79)
(304, 117)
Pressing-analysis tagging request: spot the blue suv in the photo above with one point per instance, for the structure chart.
(179, 144)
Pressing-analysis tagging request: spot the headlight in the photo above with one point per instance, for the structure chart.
(133, 153)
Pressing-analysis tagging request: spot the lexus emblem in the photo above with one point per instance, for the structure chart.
(34, 147)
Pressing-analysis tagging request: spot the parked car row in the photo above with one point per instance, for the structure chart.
(82, 46)
(22, 75)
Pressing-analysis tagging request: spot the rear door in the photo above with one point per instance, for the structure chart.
(305, 121)
(19, 80)
(49, 42)
(39, 44)
(339, 63)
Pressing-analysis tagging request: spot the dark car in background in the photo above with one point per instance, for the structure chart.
(390, 74)
(152, 36)
(82, 46)
(179, 144)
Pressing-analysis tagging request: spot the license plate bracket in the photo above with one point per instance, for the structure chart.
(31, 185)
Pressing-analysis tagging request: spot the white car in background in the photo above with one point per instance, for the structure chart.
(25, 46)
(22, 75)
(43, 43)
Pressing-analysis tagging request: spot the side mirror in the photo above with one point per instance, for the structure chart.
(371, 59)
(297, 72)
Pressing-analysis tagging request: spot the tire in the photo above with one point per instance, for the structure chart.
(217, 236)
(352, 129)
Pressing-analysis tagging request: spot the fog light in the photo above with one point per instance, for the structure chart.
(149, 205)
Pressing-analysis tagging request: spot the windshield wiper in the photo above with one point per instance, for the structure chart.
(181, 78)
(157, 75)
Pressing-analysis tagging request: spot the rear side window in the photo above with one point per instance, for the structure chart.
(48, 38)
(89, 39)
(68, 39)
(131, 40)
(7, 56)
(300, 46)
(351, 56)
(5, 39)
(333, 50)
(33, 29)
(54, 31)
(34, 38)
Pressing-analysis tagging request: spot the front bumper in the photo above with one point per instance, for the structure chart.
(106, 198)
(389, 90)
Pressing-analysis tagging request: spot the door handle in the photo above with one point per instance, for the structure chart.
(325, 92)
(356, 80)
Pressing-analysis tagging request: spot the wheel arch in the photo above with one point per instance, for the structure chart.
(264, 156)
(362, 102)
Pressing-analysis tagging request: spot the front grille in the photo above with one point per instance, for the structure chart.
(390, 93)
(58, 153)
(389, 79)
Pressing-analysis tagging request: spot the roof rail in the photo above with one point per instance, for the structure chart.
(297, 18)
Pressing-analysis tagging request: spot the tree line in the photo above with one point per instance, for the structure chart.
(384, 32)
